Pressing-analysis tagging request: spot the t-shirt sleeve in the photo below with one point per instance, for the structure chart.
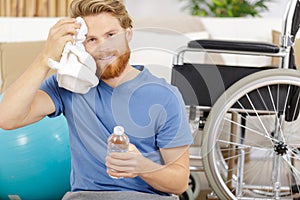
(50, 86)
(176, 130)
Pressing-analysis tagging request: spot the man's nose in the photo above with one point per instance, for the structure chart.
(104, 44)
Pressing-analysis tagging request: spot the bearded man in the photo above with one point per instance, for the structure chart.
(151, 110)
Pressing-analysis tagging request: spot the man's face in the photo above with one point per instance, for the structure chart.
(107, 42)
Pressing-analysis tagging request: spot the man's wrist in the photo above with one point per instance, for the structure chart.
(42, 62)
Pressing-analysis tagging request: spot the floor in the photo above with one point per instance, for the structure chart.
(203, 194)
(204, 187)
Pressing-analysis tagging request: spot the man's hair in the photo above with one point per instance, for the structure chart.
(94, 7)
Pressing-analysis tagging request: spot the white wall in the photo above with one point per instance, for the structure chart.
(19, 29)
(148, 8)
(276, 9)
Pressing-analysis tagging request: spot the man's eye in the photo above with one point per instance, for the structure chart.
(110, 34)
(91, 40)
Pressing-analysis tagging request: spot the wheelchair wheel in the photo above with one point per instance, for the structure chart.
(193, 190)
(250, 150)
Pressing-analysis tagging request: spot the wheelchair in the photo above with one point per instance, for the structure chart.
(246, 118)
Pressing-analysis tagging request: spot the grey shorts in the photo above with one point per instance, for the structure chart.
(128, 195)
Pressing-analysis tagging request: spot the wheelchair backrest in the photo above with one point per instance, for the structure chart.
(296, 19)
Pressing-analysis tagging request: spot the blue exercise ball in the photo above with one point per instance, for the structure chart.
(35, 161)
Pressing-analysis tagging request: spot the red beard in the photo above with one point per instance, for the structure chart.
(115, 68)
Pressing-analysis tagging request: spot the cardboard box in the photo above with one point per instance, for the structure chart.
(15, 58)
(297, 52)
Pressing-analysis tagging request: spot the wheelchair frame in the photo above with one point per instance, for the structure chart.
(249, 147)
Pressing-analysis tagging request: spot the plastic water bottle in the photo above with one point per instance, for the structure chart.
(118, 141)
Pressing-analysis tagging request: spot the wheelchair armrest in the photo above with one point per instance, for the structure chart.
(234, 46)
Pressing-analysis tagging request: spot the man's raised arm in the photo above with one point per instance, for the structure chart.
(23, 102)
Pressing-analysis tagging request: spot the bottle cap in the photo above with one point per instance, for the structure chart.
(118, 130)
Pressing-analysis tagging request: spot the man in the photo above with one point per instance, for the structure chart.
(151, 111)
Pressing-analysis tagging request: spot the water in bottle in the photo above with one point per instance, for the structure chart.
(118, 141)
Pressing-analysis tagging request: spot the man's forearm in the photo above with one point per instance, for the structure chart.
(171, 178)
(17, 99)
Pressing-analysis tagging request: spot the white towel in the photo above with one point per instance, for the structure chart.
(76, 70)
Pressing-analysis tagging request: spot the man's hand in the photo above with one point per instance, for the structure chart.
(61, 33)
(129, 164)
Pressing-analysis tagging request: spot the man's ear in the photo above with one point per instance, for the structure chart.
(129, 34)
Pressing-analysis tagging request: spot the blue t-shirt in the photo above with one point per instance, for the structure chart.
(151, 111)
